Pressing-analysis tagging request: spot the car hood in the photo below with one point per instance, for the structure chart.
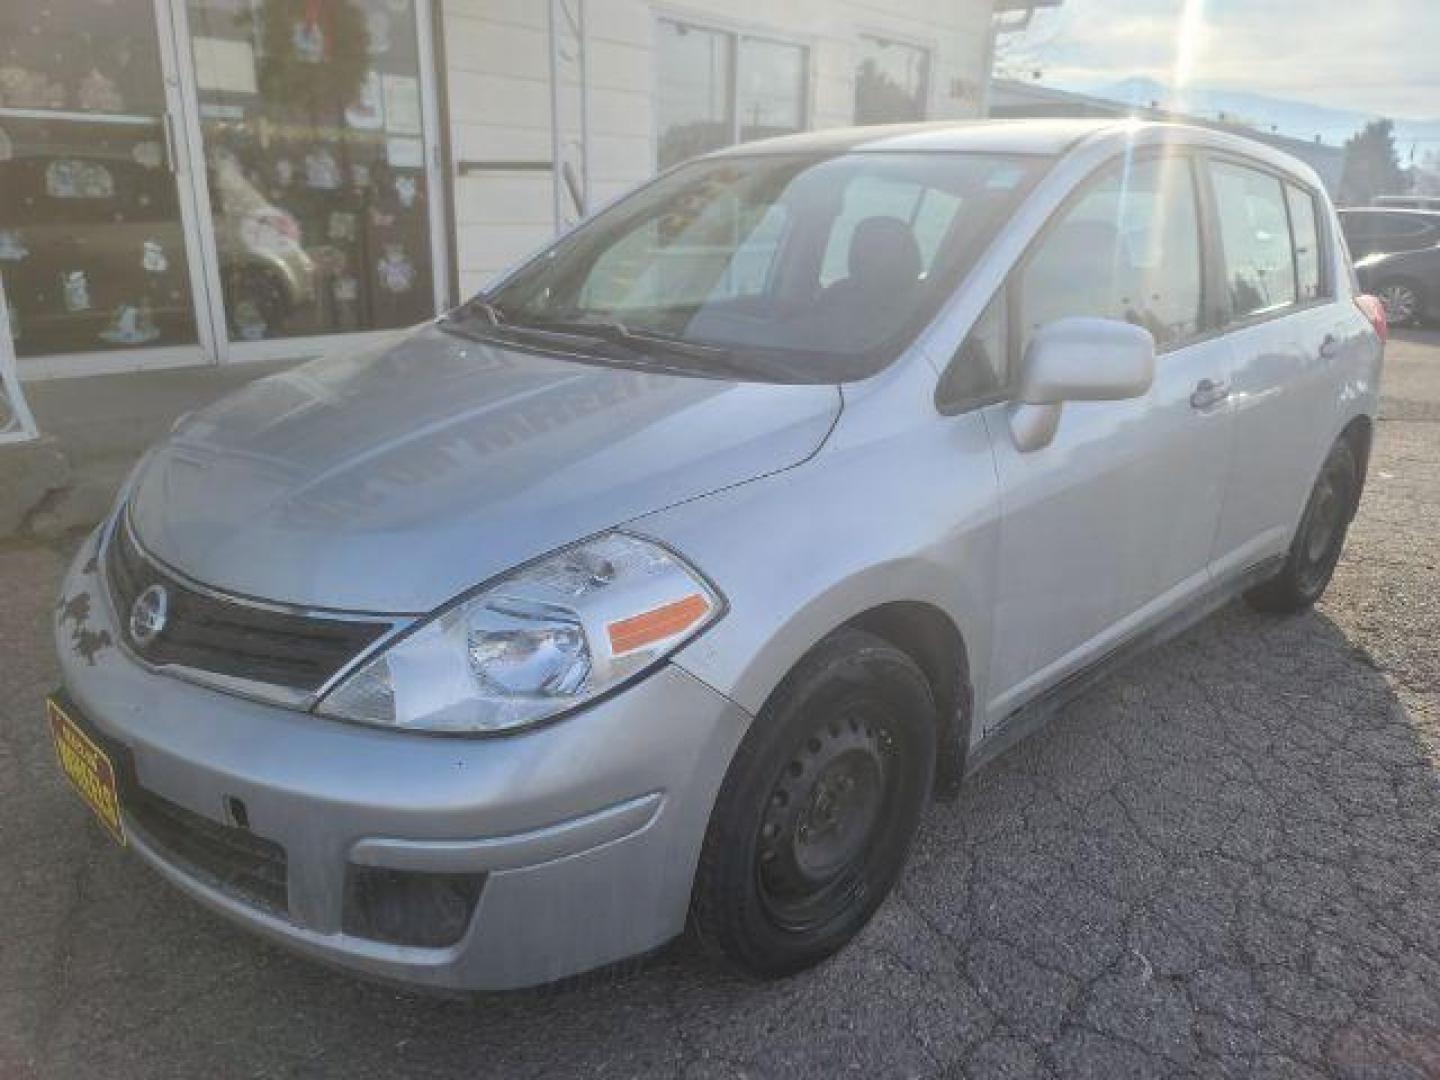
(395, 479)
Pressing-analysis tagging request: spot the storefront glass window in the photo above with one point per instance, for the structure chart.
(311, 119)
(92, 251)
(716, 89)
(772, 88)
(695, 97)
(892, 82)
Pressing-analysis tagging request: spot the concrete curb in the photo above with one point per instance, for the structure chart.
(95, 428)
(31, 473)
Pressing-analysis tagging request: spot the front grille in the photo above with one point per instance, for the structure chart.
(235, 861)
(206, 633)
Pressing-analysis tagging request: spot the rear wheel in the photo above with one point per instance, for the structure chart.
(1319, 539)
(1404, 301)
(816, 814)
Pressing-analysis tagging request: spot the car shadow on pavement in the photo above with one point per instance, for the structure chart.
(1223, 858)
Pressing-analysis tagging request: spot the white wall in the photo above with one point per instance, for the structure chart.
(497, 60)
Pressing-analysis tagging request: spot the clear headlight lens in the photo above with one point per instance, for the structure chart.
(543, 640)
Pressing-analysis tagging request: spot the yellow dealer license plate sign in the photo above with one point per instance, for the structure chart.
(88, 769)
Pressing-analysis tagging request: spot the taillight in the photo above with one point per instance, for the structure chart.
(1374, 310)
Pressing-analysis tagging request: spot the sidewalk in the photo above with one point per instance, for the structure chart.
(91, 431)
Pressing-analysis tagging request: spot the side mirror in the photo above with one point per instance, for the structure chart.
(1078, 359)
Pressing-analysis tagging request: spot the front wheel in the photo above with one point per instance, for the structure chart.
(816, 814)
(1319, 539)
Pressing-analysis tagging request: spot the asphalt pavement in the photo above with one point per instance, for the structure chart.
(1223, 861)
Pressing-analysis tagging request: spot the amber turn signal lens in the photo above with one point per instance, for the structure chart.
(627, 635)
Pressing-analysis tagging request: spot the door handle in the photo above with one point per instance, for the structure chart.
(1330, 346)
(1209, 393)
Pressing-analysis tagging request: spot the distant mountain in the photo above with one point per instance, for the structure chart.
(1297, 119)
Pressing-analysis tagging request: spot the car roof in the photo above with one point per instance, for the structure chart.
(1040, 137)
(1044, 137)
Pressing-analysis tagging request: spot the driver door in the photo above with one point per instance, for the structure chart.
(1110, 526)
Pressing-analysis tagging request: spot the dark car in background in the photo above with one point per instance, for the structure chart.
(1372, 229)
(1397, 254)
(1411, 202)
(1407, 283)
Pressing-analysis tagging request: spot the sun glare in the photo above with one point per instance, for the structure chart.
(1187, 41)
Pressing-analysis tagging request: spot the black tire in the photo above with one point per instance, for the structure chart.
(1404, 300)
(817, 811)
(1319, 539)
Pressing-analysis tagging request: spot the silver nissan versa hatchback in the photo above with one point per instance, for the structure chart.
(666, 582)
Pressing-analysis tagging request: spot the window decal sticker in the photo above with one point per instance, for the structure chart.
(131, 325)
(148, 154)
(76, 290)
(321, 172)
(12, 246)
(397, 274)
(153, 257)
(69, 178)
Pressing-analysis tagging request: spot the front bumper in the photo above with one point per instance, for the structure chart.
(587, 831)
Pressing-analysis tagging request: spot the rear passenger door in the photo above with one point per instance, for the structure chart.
(1284, 333)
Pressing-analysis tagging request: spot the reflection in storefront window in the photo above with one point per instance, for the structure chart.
(772, 88)
(92, 251)
(310, 113)
(91, 246)
(695, 97)
(892, 82)
(715, 88)
(96, 56)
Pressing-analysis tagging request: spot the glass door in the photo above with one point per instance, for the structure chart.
(315, 123)
(96, 237)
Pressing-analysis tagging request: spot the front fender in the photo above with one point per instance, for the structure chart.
(910, 517)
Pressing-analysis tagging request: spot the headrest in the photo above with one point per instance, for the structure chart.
(883, 251)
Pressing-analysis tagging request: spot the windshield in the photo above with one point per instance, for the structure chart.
(773, 267)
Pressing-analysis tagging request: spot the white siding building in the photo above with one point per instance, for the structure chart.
(664, 79)
(202, 181)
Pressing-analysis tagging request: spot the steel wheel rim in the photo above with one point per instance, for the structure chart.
(1324, 527)
(830, 800)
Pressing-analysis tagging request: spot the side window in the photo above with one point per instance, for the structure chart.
(1305, 225)
(1129, 249)
(979, 368)
(1254, 230)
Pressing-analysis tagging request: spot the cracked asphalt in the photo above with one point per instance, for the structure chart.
(1223, 861)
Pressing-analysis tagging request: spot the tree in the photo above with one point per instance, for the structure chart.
(1427, 175)
(1372, 167)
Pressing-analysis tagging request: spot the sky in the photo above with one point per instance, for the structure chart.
(1372, 56)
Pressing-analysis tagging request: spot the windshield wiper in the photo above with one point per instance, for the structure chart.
(613, 330)
(719, 361)
(475, 306)
(714, 361)
(492, 313)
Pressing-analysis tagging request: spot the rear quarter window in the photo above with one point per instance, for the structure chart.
(1255, 235)
(1305, 228)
